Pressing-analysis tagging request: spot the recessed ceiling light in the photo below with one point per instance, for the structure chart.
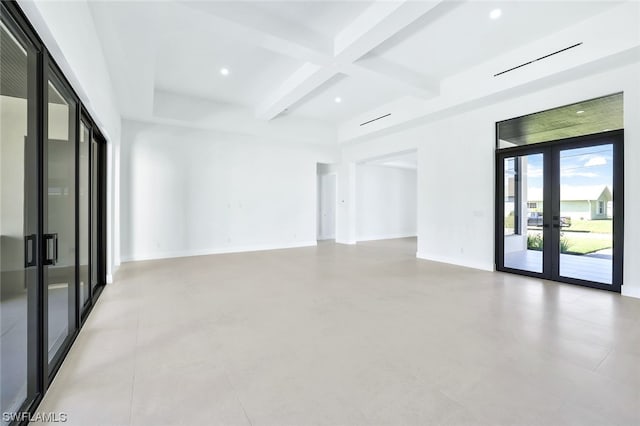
(337, 99)
(224, 71)
(495, 14)
(580, 112)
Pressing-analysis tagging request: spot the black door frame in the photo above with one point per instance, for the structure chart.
(54, 75)
(97, 187)
(551, 233)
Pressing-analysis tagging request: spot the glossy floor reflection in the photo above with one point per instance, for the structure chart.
(350, 335)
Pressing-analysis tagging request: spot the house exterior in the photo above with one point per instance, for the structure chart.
(578, 202)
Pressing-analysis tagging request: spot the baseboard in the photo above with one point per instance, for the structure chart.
(111, 276)
(349, 242)
(630, 292)
(454, 261)
(226, 250)
(387, 237)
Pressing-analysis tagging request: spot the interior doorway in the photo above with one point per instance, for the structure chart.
(327, 200)
(387, 201)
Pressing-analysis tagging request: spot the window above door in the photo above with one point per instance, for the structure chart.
(593, 116)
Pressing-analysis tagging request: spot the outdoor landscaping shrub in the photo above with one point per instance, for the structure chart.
(564, 244)
(534, 242)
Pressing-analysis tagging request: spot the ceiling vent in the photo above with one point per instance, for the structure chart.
(538, 59)
(375, 119)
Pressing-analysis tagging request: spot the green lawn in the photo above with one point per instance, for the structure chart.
(509, 222)
(586, 245)
(596, 226)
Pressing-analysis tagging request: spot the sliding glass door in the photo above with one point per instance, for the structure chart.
(60, 215)
(557, 214)
(95, 213)
(19, 207)
(52, 198)
(83, 212)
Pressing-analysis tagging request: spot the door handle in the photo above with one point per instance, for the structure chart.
(546, 225)
(51, 249)
(30, 251)
(555, 225)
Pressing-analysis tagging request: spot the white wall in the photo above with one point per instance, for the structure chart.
(190, 192)
(68, 31)
(456, 171)
(386, 202)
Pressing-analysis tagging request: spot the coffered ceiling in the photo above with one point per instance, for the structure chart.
(315, 61)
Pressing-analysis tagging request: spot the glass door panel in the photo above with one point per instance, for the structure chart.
(83, 199)
(586, 213)
(60, 237)
(18, 220)
(94, 213)
(523, 206)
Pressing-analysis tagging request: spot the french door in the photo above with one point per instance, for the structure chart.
(559, 210)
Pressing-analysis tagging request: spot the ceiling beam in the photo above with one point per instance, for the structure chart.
(409, 82)
(303, 81)
(377, 23)
(222, 18)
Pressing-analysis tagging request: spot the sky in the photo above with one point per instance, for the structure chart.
(591, 166)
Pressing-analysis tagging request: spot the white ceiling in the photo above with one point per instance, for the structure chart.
(356, 96)
(464, 35)
(189, 62)
(326, 18)
(403, 160)
(293, 58)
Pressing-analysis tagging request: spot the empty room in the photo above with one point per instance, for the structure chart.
(300, 213)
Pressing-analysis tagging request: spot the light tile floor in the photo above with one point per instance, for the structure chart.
(349, 335)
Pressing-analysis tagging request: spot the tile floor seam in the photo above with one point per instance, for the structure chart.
(595, 370)
(236, 393)
(459, 403)
(135, 359)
